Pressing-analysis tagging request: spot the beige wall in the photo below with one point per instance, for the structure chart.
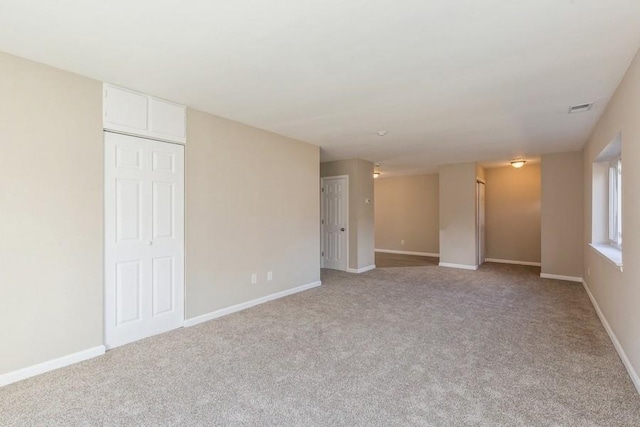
(407, 208)
(361, 214)
(252, 207)
(51, 204)
(618, 293)
(366, 212)
(458, 214)
(512, 208)
(562, 211)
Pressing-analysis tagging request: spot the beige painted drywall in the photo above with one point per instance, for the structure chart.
(252, 206)
(562, 212)
(512, 209)
(51, 213)
(407, 208)
(366, 214)
(618, 293)
(458, 214)
(361, 214)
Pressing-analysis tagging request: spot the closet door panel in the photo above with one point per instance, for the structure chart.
(133, 113)
(125, 110)
(166, 119)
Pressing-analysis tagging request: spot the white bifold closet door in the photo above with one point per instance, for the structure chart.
(144, 238)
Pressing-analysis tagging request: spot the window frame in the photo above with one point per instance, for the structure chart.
(615, 202)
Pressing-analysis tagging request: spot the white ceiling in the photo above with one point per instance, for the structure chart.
(450, 80)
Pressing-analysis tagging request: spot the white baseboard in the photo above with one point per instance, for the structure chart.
(243, 306)
(461, 266)
(361, 270)
(508, 261)
(623, 356)
(393, 251)
(560, 277)
(50, 365)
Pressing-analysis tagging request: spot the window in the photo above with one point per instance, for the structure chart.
(615, 202)
(606, 203)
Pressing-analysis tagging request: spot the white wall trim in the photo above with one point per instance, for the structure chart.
(393, 251)
(50, 365)
(509, 261)
(623, 356)
(361, 270)
(461, 266)
(560, 277)
(243, 306)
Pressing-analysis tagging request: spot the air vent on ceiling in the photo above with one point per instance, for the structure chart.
(580, 108)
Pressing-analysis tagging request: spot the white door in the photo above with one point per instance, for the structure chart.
(335, 221)
(144, 238)
(481, 223)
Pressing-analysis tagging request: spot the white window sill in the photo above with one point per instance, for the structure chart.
(608, 252)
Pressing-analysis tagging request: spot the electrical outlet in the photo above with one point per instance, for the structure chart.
(254, 279)
(270, 276)
(402, 242)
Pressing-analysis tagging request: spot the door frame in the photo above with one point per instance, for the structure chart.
(104, 228)
(322, 179)
(479, 240)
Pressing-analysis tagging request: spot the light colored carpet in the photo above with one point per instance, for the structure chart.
(392, 347)
(386, 260)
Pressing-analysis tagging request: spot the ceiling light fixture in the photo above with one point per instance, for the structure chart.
(375, 172)
(382, 132)
(518, 163)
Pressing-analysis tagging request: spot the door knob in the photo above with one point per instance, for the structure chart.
(149, 243)
(342, 229)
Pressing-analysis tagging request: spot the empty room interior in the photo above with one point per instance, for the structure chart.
(353, 213)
